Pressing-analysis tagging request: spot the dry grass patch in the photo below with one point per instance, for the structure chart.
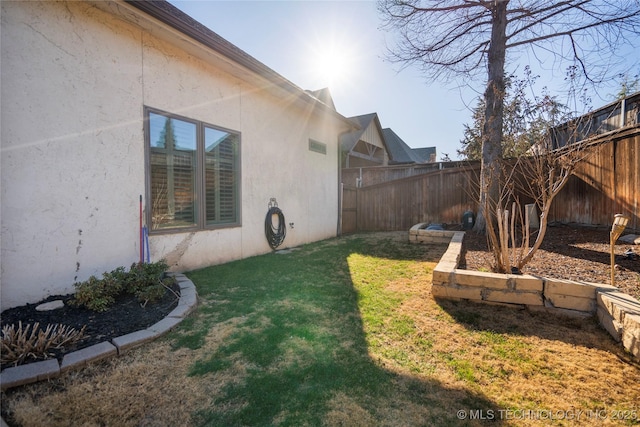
(147, 387)
(345, 332)
(530, 361)
(523, 360)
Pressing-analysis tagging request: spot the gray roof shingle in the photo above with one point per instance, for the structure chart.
(400, 152)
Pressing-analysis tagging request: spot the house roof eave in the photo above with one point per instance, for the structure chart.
(165, 13)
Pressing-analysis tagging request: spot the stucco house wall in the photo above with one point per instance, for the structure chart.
(75, 79)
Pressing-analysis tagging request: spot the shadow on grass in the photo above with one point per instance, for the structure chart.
(296, 350)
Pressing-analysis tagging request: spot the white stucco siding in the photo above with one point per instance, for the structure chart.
(274, 152)
(69, 188)
(286, 170)
(74, 83)
(181, 84)
(324, 192)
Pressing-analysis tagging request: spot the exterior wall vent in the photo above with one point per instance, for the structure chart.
(317, 146)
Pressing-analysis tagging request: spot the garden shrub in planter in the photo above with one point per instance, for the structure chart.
(147, 282)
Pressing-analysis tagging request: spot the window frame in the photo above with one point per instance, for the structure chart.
(200, 176)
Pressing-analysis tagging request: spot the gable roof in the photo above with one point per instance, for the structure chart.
(350, 139)
(400, 152)
(324, 96)
(425, 153)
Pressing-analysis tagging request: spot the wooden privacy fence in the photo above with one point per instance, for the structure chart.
(439, 196)
(606, 183)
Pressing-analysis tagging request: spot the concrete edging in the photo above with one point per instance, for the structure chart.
(51, 368)
(617, 313)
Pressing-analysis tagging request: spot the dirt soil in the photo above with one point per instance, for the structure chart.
(575, 253)
(125, 316)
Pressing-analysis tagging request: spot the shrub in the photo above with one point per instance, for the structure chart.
(19, 344)
(98, 294)
(147, 282)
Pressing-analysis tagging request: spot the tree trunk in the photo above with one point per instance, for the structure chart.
(493, 118)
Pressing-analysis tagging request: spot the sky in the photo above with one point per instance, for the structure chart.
(340, 45)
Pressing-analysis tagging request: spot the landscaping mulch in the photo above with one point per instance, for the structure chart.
(569, 252)
(126, 315)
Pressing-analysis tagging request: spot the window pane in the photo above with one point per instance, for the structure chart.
(182, 134)
(173, 172)
(221, 189)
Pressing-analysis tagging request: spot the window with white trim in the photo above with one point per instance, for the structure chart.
(193, 172)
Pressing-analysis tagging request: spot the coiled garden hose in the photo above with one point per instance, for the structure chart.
(275, 236)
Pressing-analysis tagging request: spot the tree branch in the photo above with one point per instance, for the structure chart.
(571, 31)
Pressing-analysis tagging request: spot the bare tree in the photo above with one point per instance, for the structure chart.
(451, 39)
(539, 178)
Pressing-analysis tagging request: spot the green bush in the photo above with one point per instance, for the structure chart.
(147, 282)
(98, 294)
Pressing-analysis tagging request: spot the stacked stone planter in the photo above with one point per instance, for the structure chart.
(618, 313)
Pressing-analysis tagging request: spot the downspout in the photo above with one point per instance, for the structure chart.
(340, 189)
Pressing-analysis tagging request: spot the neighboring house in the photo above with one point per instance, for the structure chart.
(364, 146)
(426, 154)
(614, 117)
(401, 153)
(370, 145)
(324, 95)
(104, 102)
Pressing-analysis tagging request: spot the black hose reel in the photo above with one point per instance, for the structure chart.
(275, 235)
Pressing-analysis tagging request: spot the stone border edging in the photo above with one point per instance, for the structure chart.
(38, 371)
(617, 312)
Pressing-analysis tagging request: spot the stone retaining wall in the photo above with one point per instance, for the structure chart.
(618, 313)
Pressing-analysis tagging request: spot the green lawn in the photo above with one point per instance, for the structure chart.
(309, 337)
(345, 332)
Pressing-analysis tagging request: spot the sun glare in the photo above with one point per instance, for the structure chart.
(331, 66)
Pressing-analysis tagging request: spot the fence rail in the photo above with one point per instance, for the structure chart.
(615, 116)
(606, 183)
